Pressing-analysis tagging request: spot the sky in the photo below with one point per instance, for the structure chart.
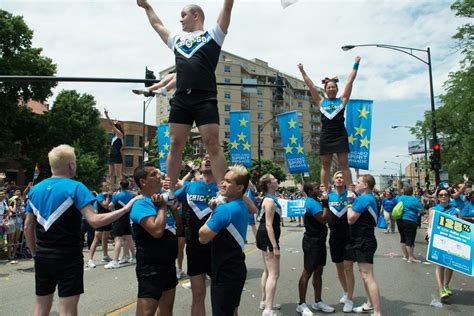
(92, 38)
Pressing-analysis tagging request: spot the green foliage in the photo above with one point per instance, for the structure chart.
(455, 116)
(268, 166)
(314, 167)
(17, 57)
(90, 167)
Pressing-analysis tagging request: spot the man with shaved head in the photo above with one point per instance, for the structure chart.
(197, 53)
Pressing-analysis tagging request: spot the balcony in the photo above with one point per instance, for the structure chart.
(275, 134)
(278, 159)
(276, 110)
(277, 146)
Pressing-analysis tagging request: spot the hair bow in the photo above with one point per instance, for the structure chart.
(333, 79)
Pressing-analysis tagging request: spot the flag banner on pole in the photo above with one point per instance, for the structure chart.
(163, 145)
(287, 3)
(291, 142)
(240, 140)
(451, 243)
(36, 172)
(359, 127)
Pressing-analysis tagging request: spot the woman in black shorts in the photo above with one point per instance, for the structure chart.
(333, 134)
(268, 236)
(115, 157)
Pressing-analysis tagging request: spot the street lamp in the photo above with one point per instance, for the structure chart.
(396, 163)
(409, 51)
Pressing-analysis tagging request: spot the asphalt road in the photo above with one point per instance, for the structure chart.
(406, 289)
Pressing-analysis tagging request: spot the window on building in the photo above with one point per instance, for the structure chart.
(226, 121)
(227, 95)
(259, 116)
(227, 107)
(300, 104)
(259, 91)
(128, 161)
(129, 140)
(140, 141)
(261, 152)
(226, 68)
(259, 103)
(227, 134)
(226, 80)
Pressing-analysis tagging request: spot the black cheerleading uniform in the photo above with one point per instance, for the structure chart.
(263, 241)
(115, 156)
(333, 134)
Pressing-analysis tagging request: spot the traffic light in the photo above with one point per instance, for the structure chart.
(436, 161)
(149, 75)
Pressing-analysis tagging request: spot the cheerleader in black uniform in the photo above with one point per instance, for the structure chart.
(333, 134)
(268, 236)
(115, 157)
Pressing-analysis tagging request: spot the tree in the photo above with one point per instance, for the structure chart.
(17, 57)
(268, 166)
(455, 116)
(74, 120)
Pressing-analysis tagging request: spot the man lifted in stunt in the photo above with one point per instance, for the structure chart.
(197, 53)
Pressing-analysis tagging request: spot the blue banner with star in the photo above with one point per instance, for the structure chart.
(163, 145)
(239, 146)
(291, 142)
(359, 127)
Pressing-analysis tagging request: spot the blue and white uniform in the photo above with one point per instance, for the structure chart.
(56, 203)
(314, 238)
(195, 197)
(229, 221)
(121, 227)
(101, 197)
(363, 244)
(156, 257)
(263, 241)
(338, 225)
(333, 132)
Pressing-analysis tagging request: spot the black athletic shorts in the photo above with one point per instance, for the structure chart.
(67, 274)
(225, 297)
(407, 230)
(198, 259)
(154, 280)
(361, 249)
(314, 253)
(122, 227)
(337, 248)
(195, 106)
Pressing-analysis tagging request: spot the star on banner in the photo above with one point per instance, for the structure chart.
(166, 147)
(161, 154)
(292, 123)
(243, 122)
(234, 144)
(351, 139)
(288, 149)
(167, 133)
(359, 130)
(241, 136)
(293, 139)
(363, 113)
(246, 146)
(365, 143)
(299, 149)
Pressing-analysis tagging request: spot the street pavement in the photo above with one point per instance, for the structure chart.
(406, 288)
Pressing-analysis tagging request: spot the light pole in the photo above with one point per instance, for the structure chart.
(426, 154)
(146, 103)
(409, 51)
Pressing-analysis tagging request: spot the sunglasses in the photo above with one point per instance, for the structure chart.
(443, 195)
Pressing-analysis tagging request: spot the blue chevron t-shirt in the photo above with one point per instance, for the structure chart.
(56, 203)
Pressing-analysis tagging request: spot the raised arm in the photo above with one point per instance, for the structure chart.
(155, 20)
(116, 130)
(462, 189)
(312, 88)
(224, 16)
(350, 81)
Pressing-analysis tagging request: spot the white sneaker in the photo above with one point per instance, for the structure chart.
(275, 306)
(270, 312)
(169, 197)
(187, 285)
(303, 309)
(364, 308)
(141, 91)
(90, 264)
(106, 259)
(123, 260)
(348, 306)
(132, 260)
(112, 265)
(179, 273)
(321, 306)
(343, 298)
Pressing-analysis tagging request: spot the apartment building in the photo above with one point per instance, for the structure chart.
(264, 103)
